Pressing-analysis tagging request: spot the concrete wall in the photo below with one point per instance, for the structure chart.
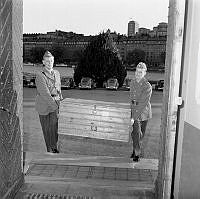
(189, 183)
(11, 175)
(187, 176)
(171, 93)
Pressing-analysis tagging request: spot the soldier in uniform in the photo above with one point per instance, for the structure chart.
(140, 95)
(48, 100)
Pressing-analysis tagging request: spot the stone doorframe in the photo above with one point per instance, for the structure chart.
(171, 91)
(11, 97)
(171, 99)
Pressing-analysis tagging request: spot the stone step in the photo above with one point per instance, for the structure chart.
(91, 177)
(93, 171)
(81, 190)
(44, 184)
(85, 160)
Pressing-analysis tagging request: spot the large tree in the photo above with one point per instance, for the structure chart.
(58, 53)
(100, 61)
(77, 55)
(37, 54)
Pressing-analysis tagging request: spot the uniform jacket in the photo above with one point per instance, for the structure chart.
(140, 95)
(48, 92)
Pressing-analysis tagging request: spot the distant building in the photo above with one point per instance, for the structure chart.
(133, 27)
(69, 41)
(143, 31)
(152, 33)
(152, 46)
(152, 42)
(162, 29)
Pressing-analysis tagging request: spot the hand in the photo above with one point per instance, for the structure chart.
(60, 95)
(132, 121)
(57, 98)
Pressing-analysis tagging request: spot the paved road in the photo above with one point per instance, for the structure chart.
(119, 96)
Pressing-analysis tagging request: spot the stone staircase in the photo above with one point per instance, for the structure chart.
(88, 177)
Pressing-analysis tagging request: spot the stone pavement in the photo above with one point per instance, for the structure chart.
(79, 176)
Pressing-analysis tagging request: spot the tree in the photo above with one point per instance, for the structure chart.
(37, 54)
(77, 55)
(58, 53)
(100, 61)
(135, 56)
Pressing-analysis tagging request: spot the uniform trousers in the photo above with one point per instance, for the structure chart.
(138, 132)
(49, 125)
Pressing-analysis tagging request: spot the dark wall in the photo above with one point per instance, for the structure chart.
(190, 163)
(11, 175)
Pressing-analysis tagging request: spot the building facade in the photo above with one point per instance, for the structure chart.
(70, 44)
(73, 44)
(162, 29)
(133, 27)
(143, 31)
(154, 48)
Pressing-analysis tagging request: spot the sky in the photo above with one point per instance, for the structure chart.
(90, 17)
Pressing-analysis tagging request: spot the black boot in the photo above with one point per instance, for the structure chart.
(55, 151)
(132, 155)
(136, 158)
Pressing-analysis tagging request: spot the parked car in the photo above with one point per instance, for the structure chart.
(87, 83)
(112, 83)
(32, 83)
(29, 79)
(25, 81)
(159, 85)
(153, 83)
(67, 82)
(126, 84)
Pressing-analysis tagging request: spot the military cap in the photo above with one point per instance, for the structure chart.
(47, 54)
(142, 65)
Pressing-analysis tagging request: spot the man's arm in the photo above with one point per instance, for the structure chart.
(58, 87)
(130, 97)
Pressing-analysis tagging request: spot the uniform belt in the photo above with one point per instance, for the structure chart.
(134, 102)
(53, 95)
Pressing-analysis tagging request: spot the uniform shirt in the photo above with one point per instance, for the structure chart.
(140, 93)
(48, 89)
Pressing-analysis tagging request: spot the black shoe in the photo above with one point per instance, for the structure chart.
(132, 155)
(136, 158)
(55, 151)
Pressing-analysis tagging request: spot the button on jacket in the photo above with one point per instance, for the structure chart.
(48, 88)
(140, 95)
